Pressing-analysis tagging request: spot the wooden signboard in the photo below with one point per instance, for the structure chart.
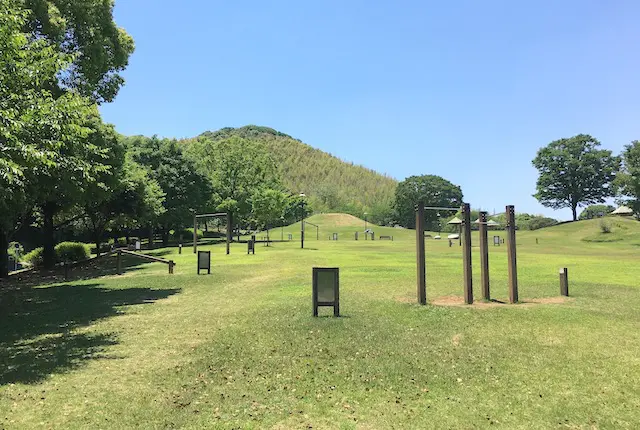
(326, 289)
(204, 261)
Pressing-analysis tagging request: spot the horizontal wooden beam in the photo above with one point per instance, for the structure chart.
(211, 215)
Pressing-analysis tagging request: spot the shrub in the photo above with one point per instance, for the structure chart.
(67, 252)
(187, 234)
(13, 251)
(541, 222)
(34, 258)
(605, 227)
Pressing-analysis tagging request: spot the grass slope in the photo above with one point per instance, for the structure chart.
(239, 348)
(331, 183)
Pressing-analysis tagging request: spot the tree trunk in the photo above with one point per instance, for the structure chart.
(574, 211)
(4, 255)
(49, 253)
(98, 243)
(206, 226)
(150, 237)
(165, 236)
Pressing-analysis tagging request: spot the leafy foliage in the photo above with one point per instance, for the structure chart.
(185, 189)
(332, 185)
(574, 172)
(268, 207)
(596, 211)
(67, 252)
(431, 190)
(628, 181)
(86, 32)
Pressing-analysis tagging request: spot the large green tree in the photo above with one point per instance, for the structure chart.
(268, 206)
(574, 172)
(48, 141)
(237, 168)
(186, 189)
(628, 182)
(432, 191)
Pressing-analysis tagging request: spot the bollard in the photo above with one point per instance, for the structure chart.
(180, 249)
(564, 282)
(171, 264)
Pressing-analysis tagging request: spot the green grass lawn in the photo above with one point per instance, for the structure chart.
(240, 349)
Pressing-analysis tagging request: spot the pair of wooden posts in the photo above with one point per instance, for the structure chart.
(484, 254)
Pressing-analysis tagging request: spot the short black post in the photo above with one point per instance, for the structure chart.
(180, 249)
(119, 263)
(564, 282)
(171, 264)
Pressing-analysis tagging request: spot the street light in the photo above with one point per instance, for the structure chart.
(302, 201)
(365, 221)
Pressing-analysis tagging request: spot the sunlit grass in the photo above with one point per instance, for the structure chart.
(239, 348)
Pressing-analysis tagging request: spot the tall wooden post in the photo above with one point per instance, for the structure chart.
(420, 255)
(302, 235)
(229, 232)
(150, 236)
(466, 254)
(195, 233)
(484, 256)
(511, 254)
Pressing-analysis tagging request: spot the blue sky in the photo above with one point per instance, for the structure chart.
(467, 90)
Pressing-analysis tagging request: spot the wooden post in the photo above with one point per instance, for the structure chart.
(119, 263)
(229, 233)
(302, 235)
(564, 282)
(511, 254)
(484, 256)
(466, 254)
(171, 264)
(420, 255)
(195, 234)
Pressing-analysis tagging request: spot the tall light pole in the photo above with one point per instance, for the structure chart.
(302, 197)
(365, 221)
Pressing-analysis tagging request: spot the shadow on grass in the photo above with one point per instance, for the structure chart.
(37, 326)
(103, 266)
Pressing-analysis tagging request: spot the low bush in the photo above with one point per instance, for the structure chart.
(187, 234)
(68, 252)
(34, 258)
(605, 227)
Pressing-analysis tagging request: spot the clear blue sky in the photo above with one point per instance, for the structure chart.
(467, 90)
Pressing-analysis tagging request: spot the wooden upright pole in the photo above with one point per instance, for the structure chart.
(484, 256)
(420, 255)
(466, 254)
(511, 254)
(229, 232)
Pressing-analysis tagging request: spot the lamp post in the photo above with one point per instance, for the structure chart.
(281, 229)
(302, 201)
(365, 221)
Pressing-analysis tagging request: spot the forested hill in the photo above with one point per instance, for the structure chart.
(331, 183)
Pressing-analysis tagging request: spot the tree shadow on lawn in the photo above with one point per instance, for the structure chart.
(92, 269)
(38, 326)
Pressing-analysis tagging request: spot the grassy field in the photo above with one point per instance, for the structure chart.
(239, 348)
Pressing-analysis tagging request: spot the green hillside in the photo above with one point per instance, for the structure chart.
(331, 183)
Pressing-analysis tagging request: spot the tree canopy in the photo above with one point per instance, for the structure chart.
(628, 182)
(432, 191)
(574, 172)
(595, 211)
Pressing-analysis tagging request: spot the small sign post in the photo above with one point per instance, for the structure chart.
(335, 236)
(564, 282)
(138, 245)
(251, 246)
(290, 236)
(496, 240)
(204, 261)
(326, 289)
